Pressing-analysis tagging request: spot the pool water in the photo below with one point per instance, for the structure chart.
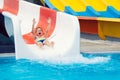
(11, 69)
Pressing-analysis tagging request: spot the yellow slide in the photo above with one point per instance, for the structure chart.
(114, 3)
(76, 5)
(98, 5)
(58, 4)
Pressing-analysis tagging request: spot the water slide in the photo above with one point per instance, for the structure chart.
(96, 8)
(114, 3)
(72, 7)
(64, 31)
(104, 9)
(54, 5)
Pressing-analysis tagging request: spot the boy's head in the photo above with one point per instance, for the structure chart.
(39, 31)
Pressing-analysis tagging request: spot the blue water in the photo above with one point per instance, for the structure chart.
(11, 69)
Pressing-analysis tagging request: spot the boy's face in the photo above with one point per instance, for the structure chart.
(39, 32)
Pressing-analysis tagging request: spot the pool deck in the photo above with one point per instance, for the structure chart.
(89, 44)
(93, 44)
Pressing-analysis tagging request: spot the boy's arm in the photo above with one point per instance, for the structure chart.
(33, 25)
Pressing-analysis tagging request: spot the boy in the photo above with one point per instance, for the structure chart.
(41, 37)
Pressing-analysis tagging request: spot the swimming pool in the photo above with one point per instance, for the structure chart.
(11, 69)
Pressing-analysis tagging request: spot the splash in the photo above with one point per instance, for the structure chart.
(74, 59)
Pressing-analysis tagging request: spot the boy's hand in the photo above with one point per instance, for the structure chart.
(34, 20)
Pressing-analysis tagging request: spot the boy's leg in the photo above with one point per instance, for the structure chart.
(40, 44)
(49, 44)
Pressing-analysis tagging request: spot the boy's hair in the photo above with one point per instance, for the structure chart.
(35, 31)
